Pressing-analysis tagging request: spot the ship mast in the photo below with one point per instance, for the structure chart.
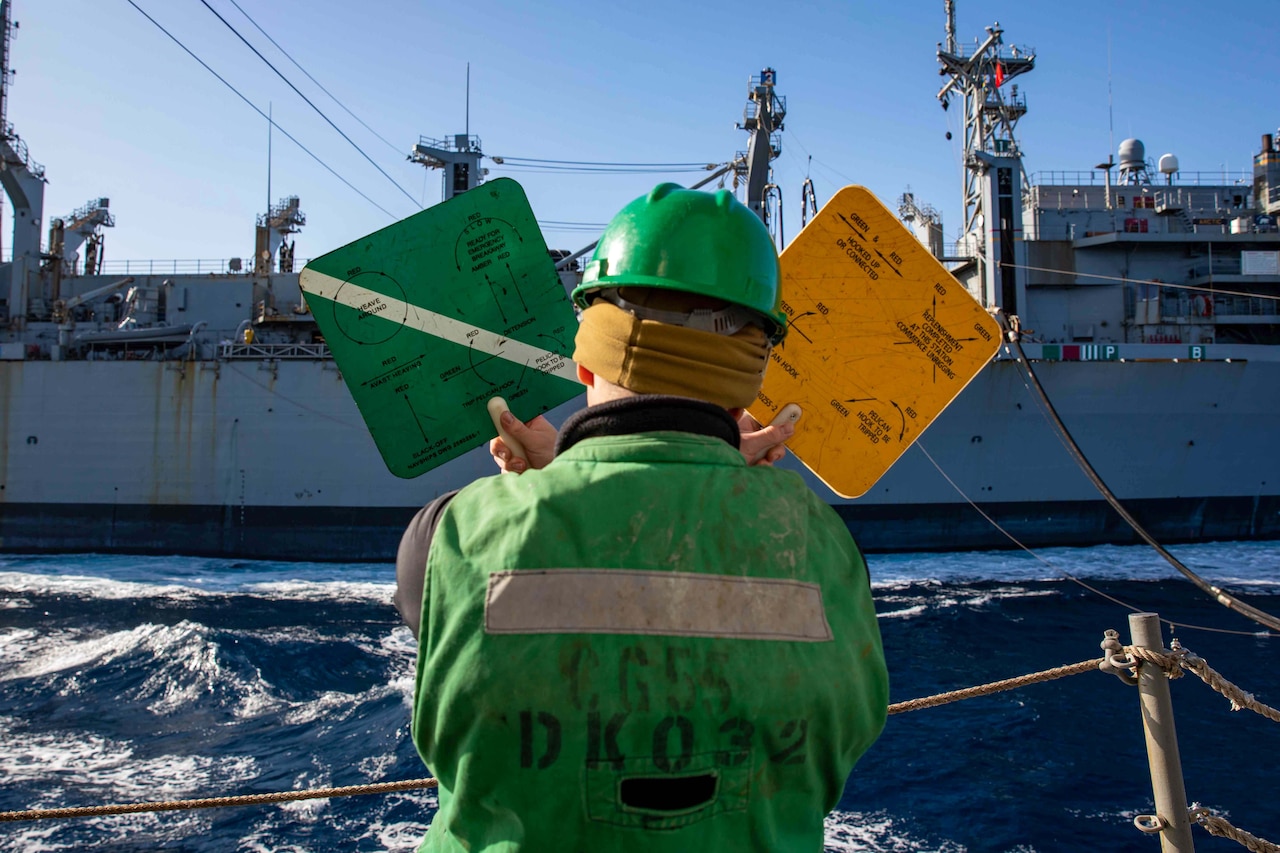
(23, 181)
(762, 118)
(994, 176)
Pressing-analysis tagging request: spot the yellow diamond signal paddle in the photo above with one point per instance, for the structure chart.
(881, 339)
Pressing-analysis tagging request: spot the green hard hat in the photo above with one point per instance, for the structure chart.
(697, 242)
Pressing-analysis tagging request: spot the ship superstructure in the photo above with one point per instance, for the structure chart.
(168, 408)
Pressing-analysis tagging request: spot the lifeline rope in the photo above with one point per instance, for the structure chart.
(1221, 827)
(387, 787)
(1175, 661)
(219, 802)
(993, 687)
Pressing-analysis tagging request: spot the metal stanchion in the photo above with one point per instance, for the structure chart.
(1173, 822)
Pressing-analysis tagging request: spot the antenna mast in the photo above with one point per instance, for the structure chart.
(993, 175)
(951, 25)
(990, 115)
(270, 125)
(762, 118)
(23, 181)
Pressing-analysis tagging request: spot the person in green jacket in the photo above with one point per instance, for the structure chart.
(644, 642)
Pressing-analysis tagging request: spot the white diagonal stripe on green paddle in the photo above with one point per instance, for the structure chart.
(441, 326)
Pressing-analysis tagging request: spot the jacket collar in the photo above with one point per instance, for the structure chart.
(648, 413)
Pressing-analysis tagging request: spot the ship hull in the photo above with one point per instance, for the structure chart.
(271, 460)
(363, 534)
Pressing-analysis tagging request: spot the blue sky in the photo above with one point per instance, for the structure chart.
(113, 108)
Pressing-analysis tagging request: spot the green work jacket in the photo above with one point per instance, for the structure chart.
(646, 645)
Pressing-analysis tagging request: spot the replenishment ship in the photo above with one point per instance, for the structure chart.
(157, 408)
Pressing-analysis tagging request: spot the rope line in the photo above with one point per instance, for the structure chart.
(1215, 290)
(220, 802)
(1176, 660)
(919, 445)
(1221, 827)
(993, 687)
(388, 787)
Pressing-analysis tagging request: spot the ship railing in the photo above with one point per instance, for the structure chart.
(20, 149)
(1219, 199)
(187, 266)
(964, 249)
(1219, 266)
(1200, 307)
(1097, 177)
(1244, 306)
(259, 352)
(453, 143)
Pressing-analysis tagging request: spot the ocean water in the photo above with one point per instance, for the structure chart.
(126, 679)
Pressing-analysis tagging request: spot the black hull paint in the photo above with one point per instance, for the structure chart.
(345, 534)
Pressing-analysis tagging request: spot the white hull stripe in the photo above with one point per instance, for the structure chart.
(677, 604)
(440, 326)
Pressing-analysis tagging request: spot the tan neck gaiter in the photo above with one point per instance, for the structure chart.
(649, 357)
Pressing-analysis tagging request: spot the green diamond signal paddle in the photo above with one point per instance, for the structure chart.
(430, 318)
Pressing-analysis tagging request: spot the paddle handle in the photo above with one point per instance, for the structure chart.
(497, 406)
(788, 414)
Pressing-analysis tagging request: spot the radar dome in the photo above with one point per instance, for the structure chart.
(1133, 154)
(1168, 164)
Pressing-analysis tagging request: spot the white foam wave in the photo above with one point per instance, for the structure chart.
(904, 613)
(400, 837)
(851, 832)
(89, 761)
(21, 584)
(88, 586)
(907, 601)
(182, 661)
(305, 590)
(144, 831)
(112, 577)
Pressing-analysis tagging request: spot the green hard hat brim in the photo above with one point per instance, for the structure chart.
(689, 241)
(774, 321)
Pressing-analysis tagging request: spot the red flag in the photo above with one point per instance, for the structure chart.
(999, 74)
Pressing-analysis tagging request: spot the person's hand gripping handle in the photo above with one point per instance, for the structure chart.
(766, 445)
(520, 447)
(497, 406)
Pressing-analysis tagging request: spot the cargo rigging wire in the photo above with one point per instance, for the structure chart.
(254, 107)
(1169, 284)
(919, 445)
(1222, 597)
(521, 163)
(309, 102)
(320, 86)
